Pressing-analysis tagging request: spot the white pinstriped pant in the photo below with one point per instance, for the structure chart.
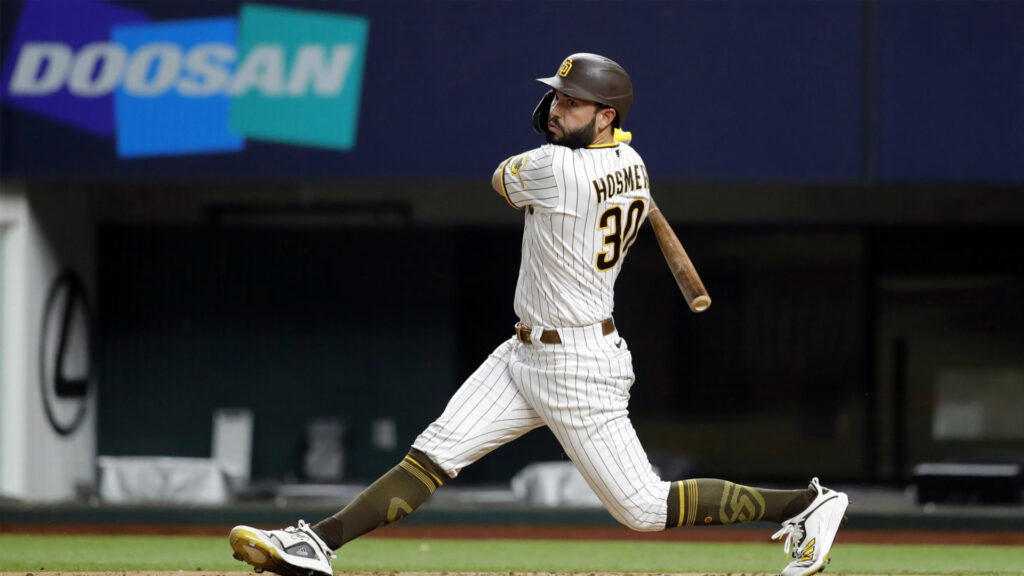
(580, 390)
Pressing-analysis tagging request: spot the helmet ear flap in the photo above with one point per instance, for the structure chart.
(540, 113)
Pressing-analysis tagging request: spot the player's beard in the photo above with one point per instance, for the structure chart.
(580, 138)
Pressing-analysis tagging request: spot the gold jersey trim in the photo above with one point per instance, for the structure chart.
(504, 191)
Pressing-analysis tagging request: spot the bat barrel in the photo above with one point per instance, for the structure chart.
(679, 262)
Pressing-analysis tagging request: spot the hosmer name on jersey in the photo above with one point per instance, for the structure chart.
(621, 181)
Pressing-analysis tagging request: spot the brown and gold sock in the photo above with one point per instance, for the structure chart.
(710, 501)
(392, 497)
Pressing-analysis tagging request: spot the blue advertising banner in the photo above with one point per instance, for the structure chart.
(189, 86)
(724, 91)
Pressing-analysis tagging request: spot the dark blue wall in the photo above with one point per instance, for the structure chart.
(951, 103)
(725, 91)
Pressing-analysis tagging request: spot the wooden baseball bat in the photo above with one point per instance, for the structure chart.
(679, 262)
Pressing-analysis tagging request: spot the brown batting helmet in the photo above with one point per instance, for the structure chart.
(595, 78)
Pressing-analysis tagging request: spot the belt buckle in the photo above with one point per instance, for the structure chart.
(523, 333)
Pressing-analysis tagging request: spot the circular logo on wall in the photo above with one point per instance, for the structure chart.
(65, 353)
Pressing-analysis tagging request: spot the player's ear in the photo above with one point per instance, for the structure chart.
(605, 117)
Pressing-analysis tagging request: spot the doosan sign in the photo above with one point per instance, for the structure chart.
(44, 67)
(190, 86)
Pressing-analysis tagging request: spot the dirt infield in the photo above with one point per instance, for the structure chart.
(531, 532)
(214, 573)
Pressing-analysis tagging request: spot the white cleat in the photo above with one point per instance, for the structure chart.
(810, 534)
(292, 551)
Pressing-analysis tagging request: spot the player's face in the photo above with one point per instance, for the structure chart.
(572, 122)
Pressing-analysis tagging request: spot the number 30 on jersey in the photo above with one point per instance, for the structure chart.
(620, 233)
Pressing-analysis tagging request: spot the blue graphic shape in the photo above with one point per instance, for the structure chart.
(73, 24)
(189, 114)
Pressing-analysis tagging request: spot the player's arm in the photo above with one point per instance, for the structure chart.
(498, 181)
(496, 178)
(527, 179)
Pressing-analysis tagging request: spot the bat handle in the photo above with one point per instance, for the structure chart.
(700, 303)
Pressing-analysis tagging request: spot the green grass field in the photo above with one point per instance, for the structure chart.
(188, 553)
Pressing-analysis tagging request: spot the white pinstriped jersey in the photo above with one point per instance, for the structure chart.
(584, 208)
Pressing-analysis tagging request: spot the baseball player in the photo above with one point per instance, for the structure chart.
(584, 195)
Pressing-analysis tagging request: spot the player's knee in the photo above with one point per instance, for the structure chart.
(641, 524)
(637, 519)
(428, 464)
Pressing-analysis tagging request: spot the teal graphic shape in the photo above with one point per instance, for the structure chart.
(278, 99)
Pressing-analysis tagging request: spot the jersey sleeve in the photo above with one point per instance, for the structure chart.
(529, 179)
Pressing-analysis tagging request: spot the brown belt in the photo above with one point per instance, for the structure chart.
(552, 337)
